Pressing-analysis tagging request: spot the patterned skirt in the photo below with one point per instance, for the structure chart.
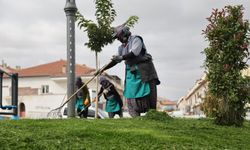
(143, 104)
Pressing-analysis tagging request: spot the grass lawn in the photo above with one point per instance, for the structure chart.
(119, 134)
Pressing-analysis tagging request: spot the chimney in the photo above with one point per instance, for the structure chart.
(18, 67)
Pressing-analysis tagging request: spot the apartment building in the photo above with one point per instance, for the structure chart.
(190, 104)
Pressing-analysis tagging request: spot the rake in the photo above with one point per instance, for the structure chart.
(56, 113)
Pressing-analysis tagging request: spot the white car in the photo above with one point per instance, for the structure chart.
(176, 113)
(91, 113)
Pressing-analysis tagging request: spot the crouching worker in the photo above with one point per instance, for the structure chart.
(82, 99)
(114, 102)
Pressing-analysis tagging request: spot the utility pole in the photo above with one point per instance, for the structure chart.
(70, 11)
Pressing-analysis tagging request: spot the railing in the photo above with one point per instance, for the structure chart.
(14, 94)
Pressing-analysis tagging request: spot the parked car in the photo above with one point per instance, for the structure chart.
(176, 113)
(91, 113)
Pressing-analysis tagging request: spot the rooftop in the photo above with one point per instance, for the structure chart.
(53, 69)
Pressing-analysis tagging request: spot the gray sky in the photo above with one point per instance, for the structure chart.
(33, 32)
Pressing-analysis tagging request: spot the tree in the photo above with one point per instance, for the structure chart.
(226, 56)
(100, 33)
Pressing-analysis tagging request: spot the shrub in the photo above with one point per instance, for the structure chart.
(226, 57)
(152, 114)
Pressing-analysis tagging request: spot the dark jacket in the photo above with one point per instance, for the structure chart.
(145, 64)
(111, 91)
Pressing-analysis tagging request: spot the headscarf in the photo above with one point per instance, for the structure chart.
(121, 30)
(79, 82)
(102, 79)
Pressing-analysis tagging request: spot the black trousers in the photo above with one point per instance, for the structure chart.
(112, 114)
(83, 113)
(152, 95)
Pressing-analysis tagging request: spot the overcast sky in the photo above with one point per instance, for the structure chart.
(33, 32)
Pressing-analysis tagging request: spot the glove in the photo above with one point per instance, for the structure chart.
(94, 100)
(87, 102)
(117, 58)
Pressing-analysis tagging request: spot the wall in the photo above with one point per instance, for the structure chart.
(37, 104)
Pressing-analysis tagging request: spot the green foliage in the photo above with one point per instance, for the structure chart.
(157, 116)
(226, 57)
(122, 134)
(100, 33)
(210, 105)
(131, 21)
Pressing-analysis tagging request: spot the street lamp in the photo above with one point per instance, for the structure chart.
(70, 10)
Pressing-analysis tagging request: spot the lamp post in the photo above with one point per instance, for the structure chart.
(70, 10)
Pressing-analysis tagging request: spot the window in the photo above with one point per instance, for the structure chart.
(45, 89)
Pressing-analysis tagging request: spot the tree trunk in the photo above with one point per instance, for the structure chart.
(97, 79)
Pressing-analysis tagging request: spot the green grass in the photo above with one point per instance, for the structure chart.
(118, 134)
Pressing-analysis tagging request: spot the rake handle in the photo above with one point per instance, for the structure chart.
(99, 72)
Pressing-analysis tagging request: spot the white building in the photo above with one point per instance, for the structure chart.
(43, 88)
(190, 104)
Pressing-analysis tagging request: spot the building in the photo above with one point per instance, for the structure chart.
(43, 87)
(191, 103)
(183, 106)
(166, 105)
(246, 72)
